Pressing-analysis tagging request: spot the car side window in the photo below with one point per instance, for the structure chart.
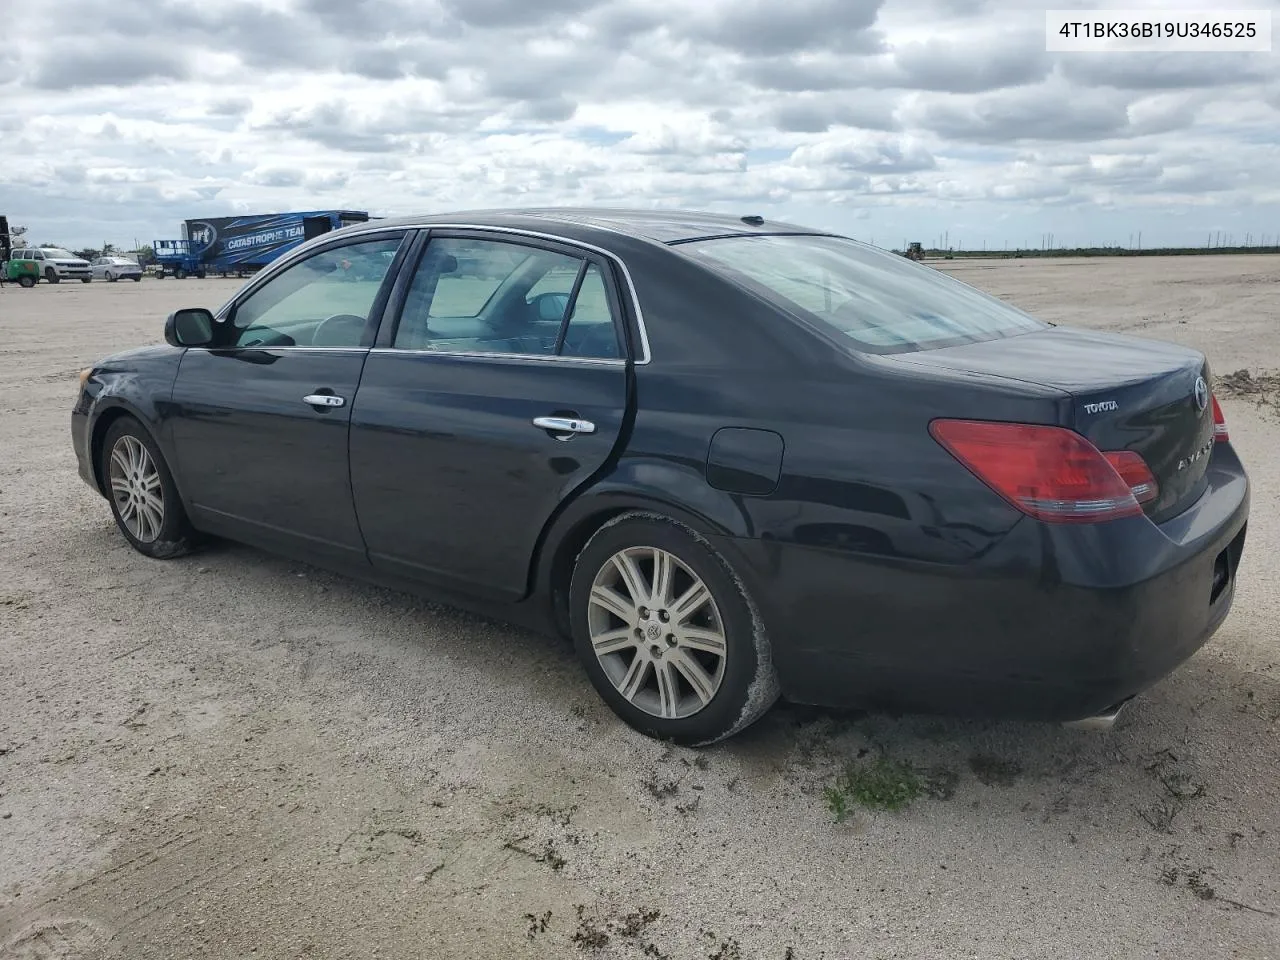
(37, 255)
(324, 301)
(591, 332)
(497, 296)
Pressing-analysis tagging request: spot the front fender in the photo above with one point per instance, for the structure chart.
(100, 415)
(138, 384)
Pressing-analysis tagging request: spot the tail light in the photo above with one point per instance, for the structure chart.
(1050, 473)
(1134, 471)
(1219, 422)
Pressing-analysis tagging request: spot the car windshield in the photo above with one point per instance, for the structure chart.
(57, 253)
(878, 302)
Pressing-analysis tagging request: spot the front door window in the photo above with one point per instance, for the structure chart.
(324, 301)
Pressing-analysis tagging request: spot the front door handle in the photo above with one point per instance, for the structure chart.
(564, 424)
(324, 400)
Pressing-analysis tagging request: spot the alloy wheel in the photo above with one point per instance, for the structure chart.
(136, 489)
(657, 632)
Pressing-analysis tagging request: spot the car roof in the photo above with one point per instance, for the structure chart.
(663, 226)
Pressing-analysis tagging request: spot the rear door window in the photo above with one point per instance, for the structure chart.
(496, 296)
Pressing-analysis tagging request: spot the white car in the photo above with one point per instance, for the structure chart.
(116, 268)
(55, 264)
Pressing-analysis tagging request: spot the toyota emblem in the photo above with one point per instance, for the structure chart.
(1202, 394)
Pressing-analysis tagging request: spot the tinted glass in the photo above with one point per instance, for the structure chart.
(878, 301)
(324, 301)
(591, 331)
(488, 296)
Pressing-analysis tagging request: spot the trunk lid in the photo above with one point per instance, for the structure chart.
(1125, 393)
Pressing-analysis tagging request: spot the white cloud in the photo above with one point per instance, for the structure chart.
(875, 115)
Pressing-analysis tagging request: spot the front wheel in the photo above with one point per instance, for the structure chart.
(137, 278)
(143, 497)
(86, 279)
(26, 281)
(111, 277)
(51, 275)
(667, 633)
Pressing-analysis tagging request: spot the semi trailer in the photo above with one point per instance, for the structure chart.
(243, 245)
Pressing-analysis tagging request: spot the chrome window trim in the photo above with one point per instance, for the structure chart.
(263, 346)
(484, 355)
(376, 227)
(397, 351)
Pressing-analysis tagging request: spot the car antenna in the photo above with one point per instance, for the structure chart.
(753, 219)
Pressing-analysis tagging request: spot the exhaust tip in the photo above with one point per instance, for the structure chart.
(1104, 720)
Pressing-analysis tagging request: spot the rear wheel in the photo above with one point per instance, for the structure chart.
(667, 632)
(143, 497)
(27, 281)
(137, 278)
(51, 274)
(179, 274)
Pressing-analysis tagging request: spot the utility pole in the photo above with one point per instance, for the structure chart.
(1139, 239)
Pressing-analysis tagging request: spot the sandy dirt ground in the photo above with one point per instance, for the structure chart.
(231, 755)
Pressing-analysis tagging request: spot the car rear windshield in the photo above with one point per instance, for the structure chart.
(878, 302)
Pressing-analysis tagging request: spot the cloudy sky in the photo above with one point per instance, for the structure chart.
(886, 119)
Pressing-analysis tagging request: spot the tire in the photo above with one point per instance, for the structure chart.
(111, 277)
(179, 274)
(51, 275)
(86, 279)
(170, 536)
(138, 278)
(26, 281)
(738, 685)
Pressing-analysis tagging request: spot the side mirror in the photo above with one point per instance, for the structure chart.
(551, 306)
(191, 327)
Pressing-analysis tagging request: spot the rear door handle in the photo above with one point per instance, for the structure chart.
(564, 424)
(324, 400)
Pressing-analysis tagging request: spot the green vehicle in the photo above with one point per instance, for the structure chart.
(20, 270)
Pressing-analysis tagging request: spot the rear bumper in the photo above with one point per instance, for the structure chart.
(1058, 622)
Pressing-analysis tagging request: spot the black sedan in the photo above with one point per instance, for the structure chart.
(732, 460)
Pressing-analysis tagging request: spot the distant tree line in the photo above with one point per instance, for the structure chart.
(933, 253)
